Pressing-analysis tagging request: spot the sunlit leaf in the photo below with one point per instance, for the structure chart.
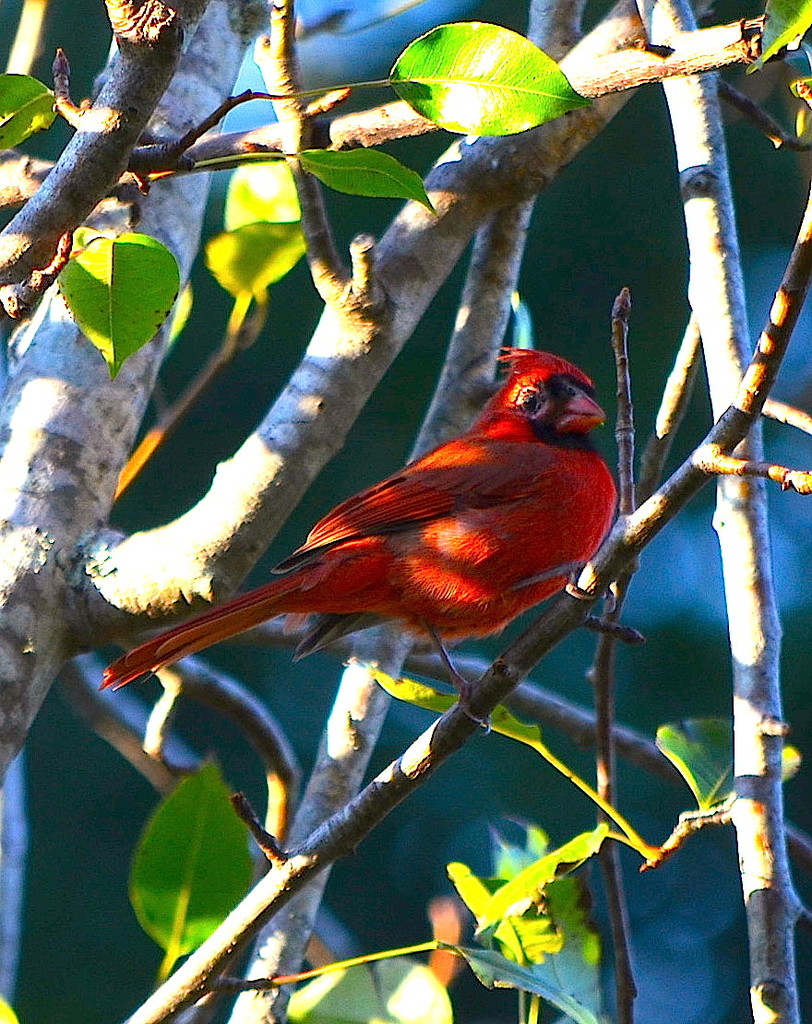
(701, 749)
(253, 257)
(495, 971)
(26, 106)
(7, 1015)
(192, 864)
(261, 192)
(475, 892)
(785, 21)
(365, 172)
(525, 889)
(120, 291)
(482, 79)
(413, 692)
(397, 991)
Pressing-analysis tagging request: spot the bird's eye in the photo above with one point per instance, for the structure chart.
(530, 400)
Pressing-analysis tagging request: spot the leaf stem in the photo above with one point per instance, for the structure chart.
(338, 965)
(633, 838)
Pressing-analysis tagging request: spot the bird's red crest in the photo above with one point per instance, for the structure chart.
(543, 365)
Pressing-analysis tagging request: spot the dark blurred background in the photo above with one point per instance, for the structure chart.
(613, 218)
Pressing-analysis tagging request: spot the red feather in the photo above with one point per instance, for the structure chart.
(460, 541)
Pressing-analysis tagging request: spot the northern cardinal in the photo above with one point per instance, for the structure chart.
(455, 545)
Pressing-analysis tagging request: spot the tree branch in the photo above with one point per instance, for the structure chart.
(716, 296)
(149, 46)
(202, 556)
(67, 428)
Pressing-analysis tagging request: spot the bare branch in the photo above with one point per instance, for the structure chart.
(95, 157)
(60, 405)
(626, 68)
(203, 555)
(276, 59)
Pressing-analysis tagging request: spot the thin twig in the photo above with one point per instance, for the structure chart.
(761, 119)
(62, 98)
(602, 674)
(710, 459)
(121, 724)
(226, 695)
(690, 822)
(241, 332)
(781, 412)
(624, 427)
(157, 157)
(276, 58)
(159, 723)
(21, 299)
(264, 839)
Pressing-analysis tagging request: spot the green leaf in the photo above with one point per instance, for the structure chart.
(526, 938)
(496, 971)
(261, 192)
(120, 291)
(701, 749)
(525, 889)
(786, 21)
(575, 969)
(424, 696)
(251, 258)
(365, 172)
(510, 858)
(413, 692)
(390, 992)
(192, 865)
(482, 79)
(475, 892)
(26, 106)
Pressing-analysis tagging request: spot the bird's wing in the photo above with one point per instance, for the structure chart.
(449, 480)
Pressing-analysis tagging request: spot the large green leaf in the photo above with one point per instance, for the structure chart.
(482, 79)
(390, 992)
(701, 749)
(26, 106)
(496, 971)
(261, 192)
(365, 172)
(192, 865)
(120, 291)
(786, 21)
(252, 257)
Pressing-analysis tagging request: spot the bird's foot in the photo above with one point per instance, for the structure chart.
(458, 681)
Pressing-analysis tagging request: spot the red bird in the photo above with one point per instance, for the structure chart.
(457, 544)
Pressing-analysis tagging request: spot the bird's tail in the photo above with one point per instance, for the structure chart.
(211, 627)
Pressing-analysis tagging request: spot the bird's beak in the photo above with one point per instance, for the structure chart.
(579, 415)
